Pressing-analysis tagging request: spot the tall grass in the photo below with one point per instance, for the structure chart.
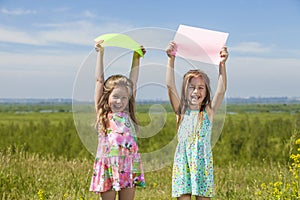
(42, 157)
(31, 176)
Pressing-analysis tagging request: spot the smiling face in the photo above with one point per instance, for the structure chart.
(196, 92)
(118, 99)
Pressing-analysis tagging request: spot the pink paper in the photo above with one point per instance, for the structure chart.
(200, 44)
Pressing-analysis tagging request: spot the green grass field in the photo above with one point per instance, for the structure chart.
(42, 156)
(30, 176)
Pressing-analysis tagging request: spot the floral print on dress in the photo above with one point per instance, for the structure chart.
(117, 164)
(193, 161)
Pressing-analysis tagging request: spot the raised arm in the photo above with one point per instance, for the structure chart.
(170, 77)
(222, 82)
(134, 72)
(99, 74)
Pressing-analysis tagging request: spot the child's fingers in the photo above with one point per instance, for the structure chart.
(143, 49)
(223, 52)
(98, 46)
(171, 49)
(98, 43)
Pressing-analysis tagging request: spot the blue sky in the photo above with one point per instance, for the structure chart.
(43, 44)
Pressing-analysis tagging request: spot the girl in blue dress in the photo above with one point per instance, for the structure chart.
(193, 161)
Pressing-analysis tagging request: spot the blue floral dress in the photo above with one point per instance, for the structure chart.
(193, 161)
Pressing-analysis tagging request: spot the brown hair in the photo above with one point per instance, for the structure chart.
(103, 108)
(183, 100)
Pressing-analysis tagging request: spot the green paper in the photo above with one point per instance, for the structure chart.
(120, 40)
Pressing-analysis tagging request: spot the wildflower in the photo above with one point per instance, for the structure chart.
(263, 186)
(281, 189)
(41, 194)
(154, 184)
(258, 193)
(278, 184)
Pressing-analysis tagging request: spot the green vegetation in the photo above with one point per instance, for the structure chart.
(42, 156)
(272, 108)
(43, 107)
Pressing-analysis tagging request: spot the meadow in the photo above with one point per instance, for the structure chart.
(256, 157)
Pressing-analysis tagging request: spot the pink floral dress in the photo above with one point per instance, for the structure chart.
(117, 164)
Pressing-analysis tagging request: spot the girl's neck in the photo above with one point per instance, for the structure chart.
(123, 111)
(126, 110)
(193, 108)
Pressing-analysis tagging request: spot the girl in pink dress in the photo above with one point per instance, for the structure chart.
(117, 167)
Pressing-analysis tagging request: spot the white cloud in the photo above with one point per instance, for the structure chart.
(251, 47)
(247, 76)
(58, 60)
(89, 14)
(19, 11)
(75, 32)
(61, 9)
(80, 32)
(13, 35)
(254, 76)
(39, 75)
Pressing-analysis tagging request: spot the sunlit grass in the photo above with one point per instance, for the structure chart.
(30, 176)
(53, 163)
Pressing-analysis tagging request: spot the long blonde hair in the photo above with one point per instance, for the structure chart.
(183, 99)
(103, 108)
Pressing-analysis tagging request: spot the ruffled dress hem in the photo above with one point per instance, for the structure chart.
(115, 173)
